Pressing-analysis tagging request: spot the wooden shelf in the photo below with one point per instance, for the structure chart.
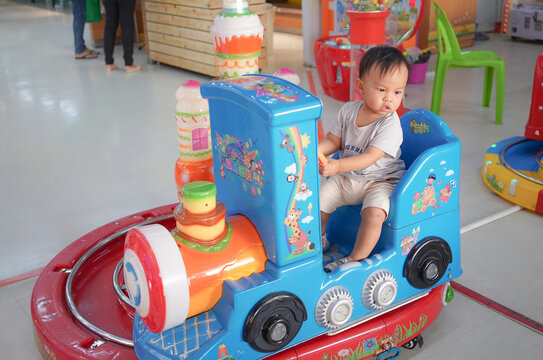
(177, 32)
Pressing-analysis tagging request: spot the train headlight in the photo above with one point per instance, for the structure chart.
(156, 277)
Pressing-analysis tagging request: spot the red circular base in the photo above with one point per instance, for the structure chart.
(59, 335)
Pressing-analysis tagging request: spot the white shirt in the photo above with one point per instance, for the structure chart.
(385, 133)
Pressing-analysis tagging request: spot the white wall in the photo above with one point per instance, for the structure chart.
(311, 28)
(488, 12)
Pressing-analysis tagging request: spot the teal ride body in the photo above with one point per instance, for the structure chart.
(264, 134)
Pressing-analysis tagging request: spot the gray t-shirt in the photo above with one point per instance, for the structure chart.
(385, 133)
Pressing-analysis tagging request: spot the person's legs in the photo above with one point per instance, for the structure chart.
(324, 221)
(331, 197)
(324, 240)
(376, 204)
(112, 22)
(78, 9)
(372, 219)
(126, 14)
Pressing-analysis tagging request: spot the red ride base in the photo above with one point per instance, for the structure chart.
(60, 336)
(401, 326)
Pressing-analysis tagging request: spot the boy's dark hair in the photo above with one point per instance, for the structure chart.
(383, 58)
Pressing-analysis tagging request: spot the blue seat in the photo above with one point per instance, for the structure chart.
(429, 148)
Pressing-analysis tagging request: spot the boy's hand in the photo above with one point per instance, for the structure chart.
(323, 161)
(330, 169)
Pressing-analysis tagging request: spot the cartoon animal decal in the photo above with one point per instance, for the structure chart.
(445, 194)
(223, 353)
(426, 197)
(292, 178)
(298, 239)
(294, 143)
(286, 143)
(409, 241)
(385, 344)
(429, 197)
(234, 156)
(269, 91)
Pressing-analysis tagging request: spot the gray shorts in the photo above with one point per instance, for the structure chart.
(339, 190)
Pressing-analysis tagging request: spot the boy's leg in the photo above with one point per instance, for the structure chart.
(324, 221)
(372, 219)
(331, 197)
(376, 204)
(324, 241)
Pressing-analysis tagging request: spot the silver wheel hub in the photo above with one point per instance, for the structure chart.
(379, 290)
(334, 308)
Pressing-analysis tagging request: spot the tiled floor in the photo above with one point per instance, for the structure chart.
(80, 147)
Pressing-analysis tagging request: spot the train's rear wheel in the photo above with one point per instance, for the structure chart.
(427, 262)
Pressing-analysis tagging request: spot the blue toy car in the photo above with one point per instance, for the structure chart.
(266, 175)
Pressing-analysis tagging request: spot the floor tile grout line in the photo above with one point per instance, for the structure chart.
(503, 310)
(487, 220)
(17, 278)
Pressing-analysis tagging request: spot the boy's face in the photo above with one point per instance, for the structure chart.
(383, 94)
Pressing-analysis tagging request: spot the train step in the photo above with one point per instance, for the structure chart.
(182, 342)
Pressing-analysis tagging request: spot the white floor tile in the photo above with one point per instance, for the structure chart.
(467, 330)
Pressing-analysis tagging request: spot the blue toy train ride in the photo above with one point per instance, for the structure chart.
(264, 132)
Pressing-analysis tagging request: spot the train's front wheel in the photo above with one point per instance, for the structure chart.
(274, 322)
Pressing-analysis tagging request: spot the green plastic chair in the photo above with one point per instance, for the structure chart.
(453, 57)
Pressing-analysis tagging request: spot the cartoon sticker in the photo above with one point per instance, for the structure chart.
(297, 213)
(376, 346)
(409, 241)
(267, 90)
(419, 128)
(429, 196)
(223, 353)
(299, 240)
(494, 183)
(237, 158)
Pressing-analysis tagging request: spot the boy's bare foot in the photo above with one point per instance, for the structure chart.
(110, 67)
(132, 68)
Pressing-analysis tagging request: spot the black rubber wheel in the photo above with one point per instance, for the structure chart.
(274, 321)
(427, 262)
(411, 344)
